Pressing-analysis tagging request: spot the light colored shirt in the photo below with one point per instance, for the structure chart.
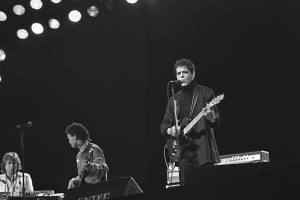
(98, 166)
(16, 186)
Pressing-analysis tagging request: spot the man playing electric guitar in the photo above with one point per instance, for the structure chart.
(91, 164)
(197, 143)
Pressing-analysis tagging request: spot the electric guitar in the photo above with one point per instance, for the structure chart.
(183, 137)
(83, 173)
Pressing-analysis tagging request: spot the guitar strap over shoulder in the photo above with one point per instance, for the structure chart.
(194, 101)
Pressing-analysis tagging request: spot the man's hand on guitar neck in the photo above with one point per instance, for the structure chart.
(209, 113)
(172, 131)
(86, 166)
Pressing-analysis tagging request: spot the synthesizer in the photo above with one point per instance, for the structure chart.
(248, 157)
(40, 195)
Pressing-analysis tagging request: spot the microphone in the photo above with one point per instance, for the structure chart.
(176, 82)
(28, 124)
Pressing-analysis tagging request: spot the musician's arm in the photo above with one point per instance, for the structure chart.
(216, 121)
(167, 120)
(212, 115)
(98, 164)
(74, 182)
(29, 185)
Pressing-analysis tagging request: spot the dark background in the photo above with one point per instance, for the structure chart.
(110, 74)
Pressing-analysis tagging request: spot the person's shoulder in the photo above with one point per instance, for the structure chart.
(20, 174)
(26, 174)
(2, 176)
(95, 146)
(204, 88)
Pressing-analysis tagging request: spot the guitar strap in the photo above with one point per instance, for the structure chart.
(194, 101)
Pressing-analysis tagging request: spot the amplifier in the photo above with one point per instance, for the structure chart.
(104, 190)
(32, 198)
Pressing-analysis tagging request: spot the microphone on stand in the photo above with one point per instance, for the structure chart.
(176, 82)
(28, 124)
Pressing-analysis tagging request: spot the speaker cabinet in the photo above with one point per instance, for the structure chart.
(105, 190)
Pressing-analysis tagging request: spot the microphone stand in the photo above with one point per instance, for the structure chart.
(23, 163)
(176, 142)
(176, 120)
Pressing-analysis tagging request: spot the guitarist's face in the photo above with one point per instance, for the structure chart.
(184, 75)
(72, 140)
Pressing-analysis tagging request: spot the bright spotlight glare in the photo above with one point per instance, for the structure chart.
(54, 23)
(19, 10)
(36, 4)
(37, 28)
(74, 15)
(2, 55)
(56, 1)
(3, 16)
(132, 1)
(22, 34)
(93, 11)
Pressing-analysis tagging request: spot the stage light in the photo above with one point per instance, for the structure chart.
(22, 34)
(56, 1)
(2, 55)
(93, 11)
(74, 15)
(36, 4)
(3, 16)
(54, 23)
(1, 68)
(132, 1)
(37, 28)
(19, 10)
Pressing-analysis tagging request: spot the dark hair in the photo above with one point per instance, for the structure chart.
(185, 62)
(79, 130)
(14, 158)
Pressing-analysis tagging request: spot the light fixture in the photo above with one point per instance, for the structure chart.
(93, 11)
(37, 28)
(22, 34)
(36, 4)
(19, 9)
(74, 15)
(56, 1)
(3, 16)
(54, 23)
(131, 1)
(2, 55)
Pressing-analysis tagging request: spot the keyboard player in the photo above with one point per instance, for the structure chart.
(11, 179)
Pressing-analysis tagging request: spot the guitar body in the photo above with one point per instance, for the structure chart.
(183, 139)
(83, 173)
(175, 144)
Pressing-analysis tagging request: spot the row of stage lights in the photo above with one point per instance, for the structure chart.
(74, 15)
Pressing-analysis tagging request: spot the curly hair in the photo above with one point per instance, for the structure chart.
(79, 130)
(14, 158)
(185, 62)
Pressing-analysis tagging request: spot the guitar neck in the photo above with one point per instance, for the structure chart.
(192, 123)
(196, 119)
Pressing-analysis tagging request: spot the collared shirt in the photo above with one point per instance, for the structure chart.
(98, 167)
(16, 186)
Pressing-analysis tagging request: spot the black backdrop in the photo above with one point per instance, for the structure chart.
(110, 74)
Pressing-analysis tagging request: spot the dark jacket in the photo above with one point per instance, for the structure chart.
(202, 133)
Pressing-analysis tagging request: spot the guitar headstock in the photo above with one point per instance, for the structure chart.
(216, 100)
